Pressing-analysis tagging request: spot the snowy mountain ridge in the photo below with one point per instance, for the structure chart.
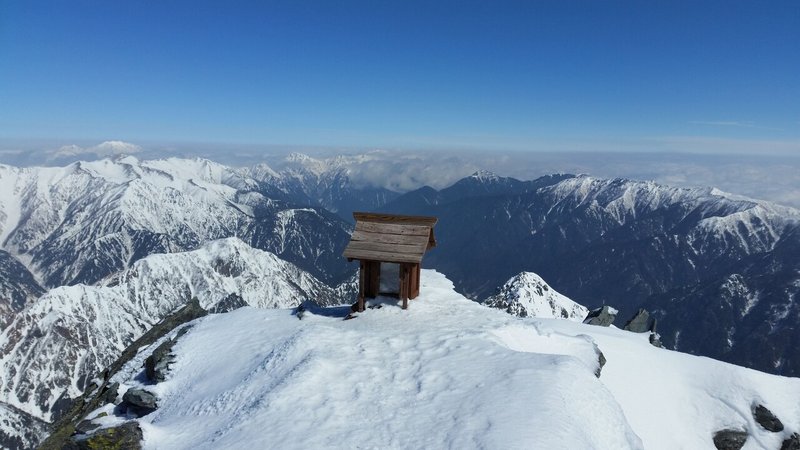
(82, 222)
(446, 373)
(53, 348)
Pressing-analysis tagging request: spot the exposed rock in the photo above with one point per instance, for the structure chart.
(730, 439)
(655, 340)
(641, 322)
(109, 393)
(228, 304)
(601, 361)
(791, 443)
(127, 436)
(601, 316)
(139, 402)
(85, 426)
(157, 364)
(767, 419)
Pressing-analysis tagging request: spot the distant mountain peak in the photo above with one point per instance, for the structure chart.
(527, 294)
(485, 175)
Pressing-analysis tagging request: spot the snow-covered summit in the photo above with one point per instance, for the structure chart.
(484, 176)
(527, 294)
(446, 373)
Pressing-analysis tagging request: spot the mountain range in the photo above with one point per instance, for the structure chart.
(94, 254)
(721, 273)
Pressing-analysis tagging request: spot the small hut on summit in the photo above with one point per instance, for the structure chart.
(389, 248)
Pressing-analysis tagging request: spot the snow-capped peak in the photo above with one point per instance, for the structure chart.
(485, 176)
(527, 294)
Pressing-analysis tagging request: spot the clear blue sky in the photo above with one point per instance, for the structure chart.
(405, 73)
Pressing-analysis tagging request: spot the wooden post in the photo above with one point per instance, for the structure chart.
(361, 279)
(413, 282)
(404, 284)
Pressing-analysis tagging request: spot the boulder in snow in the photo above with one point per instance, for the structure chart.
(601, 316)
(767, 419)
(730, 439)
(641, 322)
(139, 402)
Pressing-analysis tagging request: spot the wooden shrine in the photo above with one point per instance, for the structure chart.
(389, 239)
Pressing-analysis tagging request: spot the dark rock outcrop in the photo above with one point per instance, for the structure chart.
(139, 402)
(730, 439)
(109, 393)
(767, 419)
(640, 322)
(127, 436)
(791, 443)
(157, 364)
(601, 361)
(601, 316)
(85, 427)
(655, 340)
(231, 302)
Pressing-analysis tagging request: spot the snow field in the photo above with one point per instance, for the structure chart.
(434, 376)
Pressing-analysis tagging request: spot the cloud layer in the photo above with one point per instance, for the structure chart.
(102, 150)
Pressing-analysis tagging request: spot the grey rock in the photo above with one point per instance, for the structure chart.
(730, 439)
(602, 317)
(601, 361)
(767, 419)
(139, 402)
(640, 322)
(231, 302)
(109, 393)
(655, 340)
(791, 443)
(85, 426)
(157, 364)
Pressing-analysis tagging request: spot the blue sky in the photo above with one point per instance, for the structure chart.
(541, 75)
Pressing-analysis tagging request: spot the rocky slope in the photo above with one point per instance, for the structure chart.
(55, 347)
(18, 288)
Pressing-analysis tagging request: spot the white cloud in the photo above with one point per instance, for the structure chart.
(102, 150)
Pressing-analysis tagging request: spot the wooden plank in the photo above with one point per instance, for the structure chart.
(414, 249)
(395, 218)
(360, 235)
(382, 256)
(390, 228)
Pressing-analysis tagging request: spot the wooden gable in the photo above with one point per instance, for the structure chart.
(390, 238)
